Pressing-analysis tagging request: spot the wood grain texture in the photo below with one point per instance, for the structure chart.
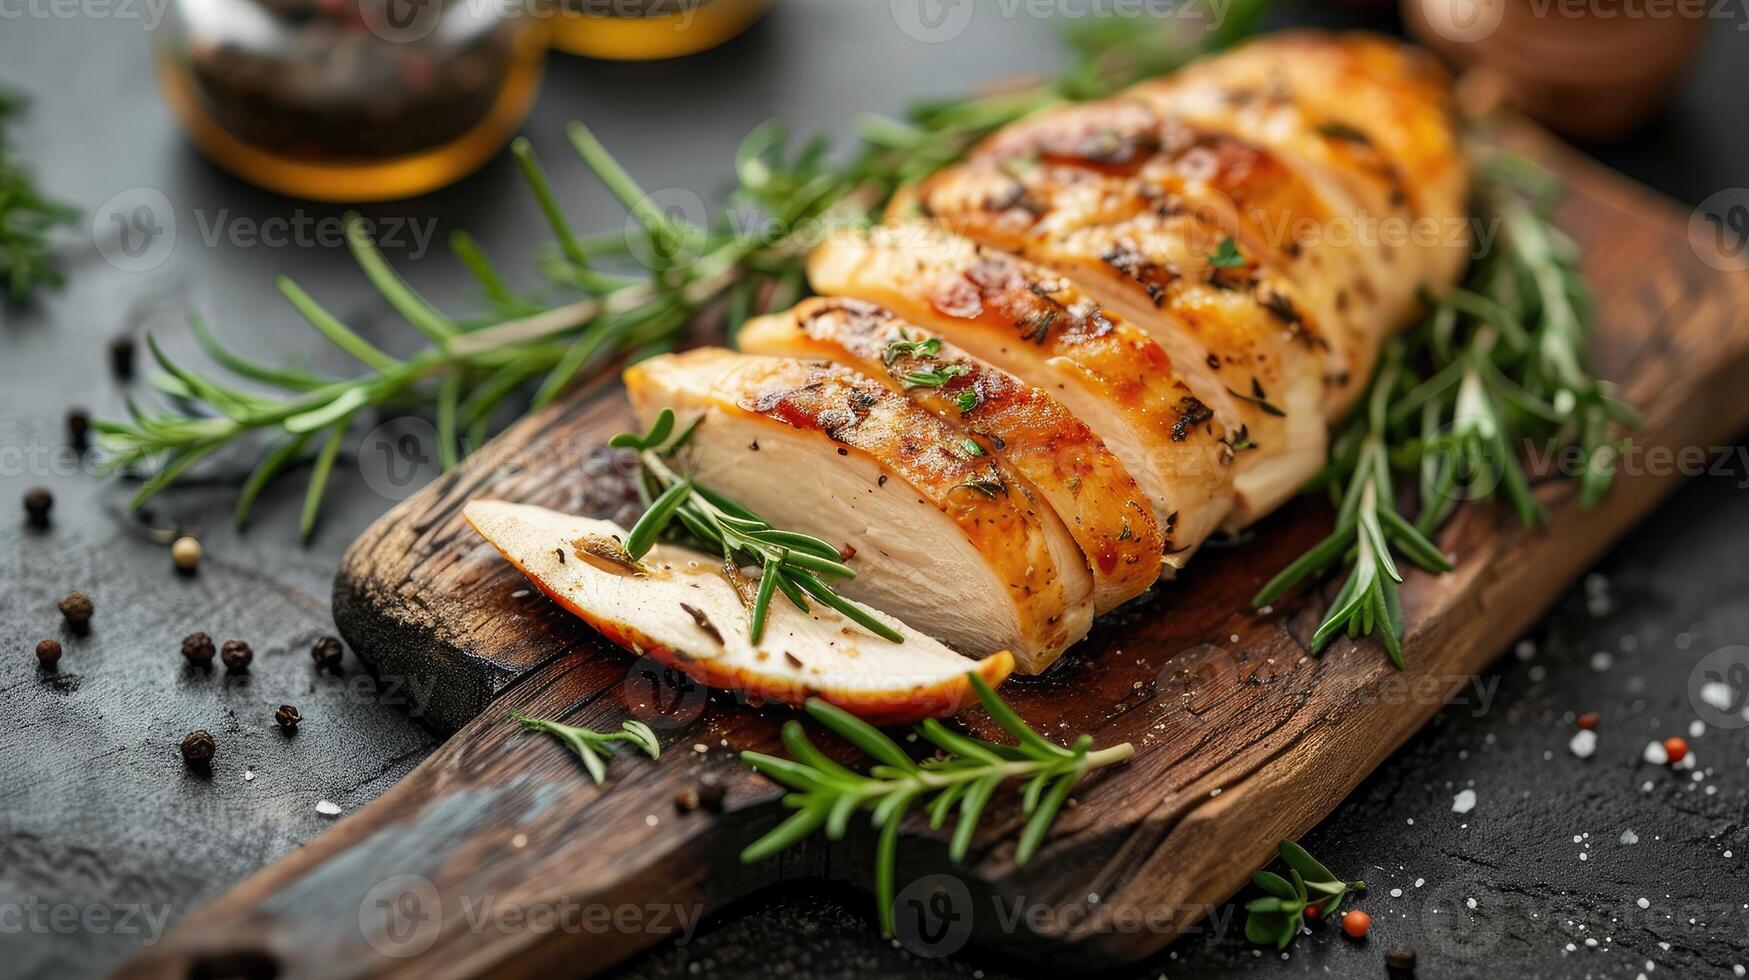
(1241, 738)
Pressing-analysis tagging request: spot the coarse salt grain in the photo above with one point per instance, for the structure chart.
(1601, 661)
(1655, 753)
(1464, 802)
(328, 809)
(1643, 903)
(1583, 743)
(1696, 728)
(1629, 837)
(1396, 893)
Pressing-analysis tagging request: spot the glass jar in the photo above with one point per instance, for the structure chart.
(350, 100)
(644, 30)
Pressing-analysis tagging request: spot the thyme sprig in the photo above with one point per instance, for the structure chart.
(795, 564)
(962, 777)
(1276, 917)
(590, 746)
(27, 257)
(606, 297)
(1496, 365)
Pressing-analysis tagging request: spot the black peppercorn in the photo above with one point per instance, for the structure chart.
(287, 717)
(327, 653)
(710, 791)
(79, 429)
(1400, 962)
(197, 748)
(236, 654)
(121, 357)
(197, 649)
(77, 609)
(37, 503)
(48, 652)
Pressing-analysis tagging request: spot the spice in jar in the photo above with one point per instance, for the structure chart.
(197, 649)
(48, 652)
(198, 747)
(350, 101)
(236, 654)
(37, 504)
(76, 608)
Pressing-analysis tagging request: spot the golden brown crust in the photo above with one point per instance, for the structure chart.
(1060, 457)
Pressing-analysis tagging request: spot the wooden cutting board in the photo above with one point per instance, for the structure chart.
(498, 853)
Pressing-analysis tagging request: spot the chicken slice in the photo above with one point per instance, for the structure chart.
(1367, 119)
(1120, 162)
(677, 606)
(1060, 457)
(1034, 324)
(941, 534)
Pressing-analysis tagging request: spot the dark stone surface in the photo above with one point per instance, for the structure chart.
(99, 817)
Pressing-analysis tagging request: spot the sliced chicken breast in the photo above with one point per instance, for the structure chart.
(940, 532)
(677, 606)
(1059, 456)
(1120, 163)
(1036, 325)
(1367, 119)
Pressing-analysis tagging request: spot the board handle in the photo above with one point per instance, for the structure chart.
(496, 856)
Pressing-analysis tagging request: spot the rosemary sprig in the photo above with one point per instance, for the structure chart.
(964, 775)
(614, 296)
(591, 746)
(27, 258)
(795, 564)
(1497, 364)
(1276, 918)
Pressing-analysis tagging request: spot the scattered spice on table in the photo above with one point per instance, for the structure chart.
(121, 357)
(48, 652)
(79, 429)
(1588, 721)
(288, 718)
(327, 653)
(37, 504)
(185, 553)
(1675, 748)
(198, 747)
(1356, 923)
(197, 649)
(236, 654)
(77, 608)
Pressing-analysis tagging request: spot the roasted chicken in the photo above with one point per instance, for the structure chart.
(1112, 330)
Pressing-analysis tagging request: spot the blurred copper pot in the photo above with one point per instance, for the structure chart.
(1593, 69)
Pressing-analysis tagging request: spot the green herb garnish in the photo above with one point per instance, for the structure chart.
(27, 259)
(963, 776)
(1276, 918)
(905, 347)
(933, 377)
(1226, 255)
(792, 563)
(590, 746)
(1495, 364)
